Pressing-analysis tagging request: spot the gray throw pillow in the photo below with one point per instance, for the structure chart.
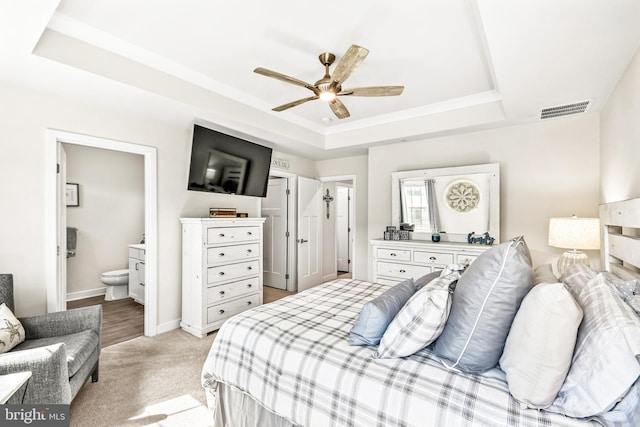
(376, 315)
(485, 301)
(424, 280)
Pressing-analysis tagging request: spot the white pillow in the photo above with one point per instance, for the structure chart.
(420, 321)
(11, 330)
(538, 351)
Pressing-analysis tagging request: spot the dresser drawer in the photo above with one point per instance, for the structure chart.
(233, 271)
(136, 253)
(217, 255)
(232, 290)
(228, 309)
(393, 254)
(402, 271)
(232, 234)
(432, 258)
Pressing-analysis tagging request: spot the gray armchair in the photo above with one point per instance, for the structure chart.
(61, 350)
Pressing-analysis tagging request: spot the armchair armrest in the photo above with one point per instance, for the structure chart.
(63, 322)
(49, 382)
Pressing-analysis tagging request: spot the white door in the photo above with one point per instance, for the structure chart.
(275, 253)
(343, 230)
(309, 233)
(61, 208)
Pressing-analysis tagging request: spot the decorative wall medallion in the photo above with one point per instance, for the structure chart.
(462, 196)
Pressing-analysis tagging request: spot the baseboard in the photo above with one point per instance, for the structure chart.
(329, 277)
(168, 326)
(72, 296)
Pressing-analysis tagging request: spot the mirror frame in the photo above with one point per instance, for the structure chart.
(493, 169)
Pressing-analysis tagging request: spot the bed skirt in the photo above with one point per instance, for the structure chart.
(230, 407)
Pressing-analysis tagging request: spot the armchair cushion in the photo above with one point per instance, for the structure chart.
(11, 330)
(78, 346)
(63, 322)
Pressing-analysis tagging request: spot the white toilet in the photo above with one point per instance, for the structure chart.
(117, 282)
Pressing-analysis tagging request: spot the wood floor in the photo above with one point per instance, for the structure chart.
(123, 319)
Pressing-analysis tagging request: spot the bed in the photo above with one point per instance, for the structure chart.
(289, 363)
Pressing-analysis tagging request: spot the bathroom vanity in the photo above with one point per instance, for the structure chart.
(137, 272)
(221, 270)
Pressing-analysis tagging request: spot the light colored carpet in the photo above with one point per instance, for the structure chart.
(147, 381)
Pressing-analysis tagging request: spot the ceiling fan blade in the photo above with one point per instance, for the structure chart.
(351, 59)
(373, 91)
(285, 78)
(339, 109)
(294, 103)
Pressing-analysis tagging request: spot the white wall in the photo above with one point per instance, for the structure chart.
(24, 117)
(110, 215)
(547, 169)
(357, 166)
(620, 138)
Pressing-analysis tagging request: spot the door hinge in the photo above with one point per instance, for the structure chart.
(57, 167)
(348, 261)
(288, 191)
(286, 234)
(286, 276)
(349, 230)
(58, 250)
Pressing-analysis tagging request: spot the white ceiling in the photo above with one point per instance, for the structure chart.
(465, 64)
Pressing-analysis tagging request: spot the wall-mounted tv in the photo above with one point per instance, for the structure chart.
(222, 163)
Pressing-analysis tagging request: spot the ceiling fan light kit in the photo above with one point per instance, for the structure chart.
(329, 87)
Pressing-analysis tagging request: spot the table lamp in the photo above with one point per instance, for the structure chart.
(575, 234)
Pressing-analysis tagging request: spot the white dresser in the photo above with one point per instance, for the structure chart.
(221, 270)
(397, 260)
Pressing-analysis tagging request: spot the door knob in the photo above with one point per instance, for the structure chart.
(302, 240)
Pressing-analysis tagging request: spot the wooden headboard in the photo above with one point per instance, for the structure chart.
(620, 247)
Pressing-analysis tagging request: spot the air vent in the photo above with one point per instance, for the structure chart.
(565, 110)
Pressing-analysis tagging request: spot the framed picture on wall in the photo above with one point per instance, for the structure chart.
(72, 195)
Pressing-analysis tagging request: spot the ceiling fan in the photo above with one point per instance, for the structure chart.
(329, 87)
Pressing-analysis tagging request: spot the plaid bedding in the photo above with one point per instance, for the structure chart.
(292, 356)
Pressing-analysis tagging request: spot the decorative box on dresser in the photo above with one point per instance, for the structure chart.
(397, 260)
(221, 270)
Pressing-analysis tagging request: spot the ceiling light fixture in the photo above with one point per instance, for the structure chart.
(327, 95)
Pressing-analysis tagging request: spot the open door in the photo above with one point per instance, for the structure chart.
(309, 233)
(343, 228)
(61, 230)
(276, 234)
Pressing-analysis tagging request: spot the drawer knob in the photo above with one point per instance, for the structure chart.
(249, 233)
(393, 254)
(248, 302)
(220, 311)
(249, 251)
(221, 273)
(249, 268)
(221, 292)
(432, 258)
(221, 235)
(221, 254)
(249, 285)
(403, 271)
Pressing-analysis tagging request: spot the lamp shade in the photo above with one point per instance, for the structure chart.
(574, 233)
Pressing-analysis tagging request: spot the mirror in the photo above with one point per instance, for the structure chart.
(453, 201)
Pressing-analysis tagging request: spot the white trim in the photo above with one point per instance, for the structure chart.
(72, 296)
(168, 326)
(351, 178)
(56, 295)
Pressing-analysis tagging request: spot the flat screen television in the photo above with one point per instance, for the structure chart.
(222, 163)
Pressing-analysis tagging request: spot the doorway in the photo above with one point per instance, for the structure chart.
(340, 234)
(55, 227)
